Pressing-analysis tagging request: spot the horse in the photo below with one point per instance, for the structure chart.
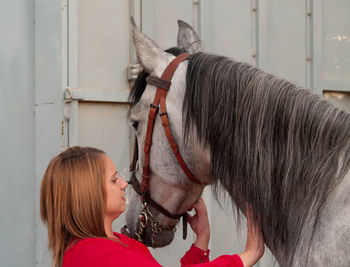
(277, 146)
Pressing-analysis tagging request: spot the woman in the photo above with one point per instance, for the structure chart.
(82, 194)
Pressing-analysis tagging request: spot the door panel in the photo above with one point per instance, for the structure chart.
(102, 44)
(332, 45)
(282, 39)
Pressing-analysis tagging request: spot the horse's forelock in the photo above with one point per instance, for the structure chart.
(273, 144)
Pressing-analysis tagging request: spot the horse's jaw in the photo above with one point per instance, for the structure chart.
(176, 198)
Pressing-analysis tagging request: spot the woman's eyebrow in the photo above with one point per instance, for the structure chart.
(116, 172)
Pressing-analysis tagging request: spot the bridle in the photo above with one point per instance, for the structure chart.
(159, 102)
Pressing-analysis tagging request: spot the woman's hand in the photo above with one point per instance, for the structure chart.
(200, 224)
(255, 242)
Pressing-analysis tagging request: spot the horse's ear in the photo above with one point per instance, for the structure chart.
(152, 58)
(187, 38)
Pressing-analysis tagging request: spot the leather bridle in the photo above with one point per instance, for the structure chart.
(159, 102)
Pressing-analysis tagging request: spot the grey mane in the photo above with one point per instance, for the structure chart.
(280, 147)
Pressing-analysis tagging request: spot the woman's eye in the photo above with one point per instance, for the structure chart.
(135, 124)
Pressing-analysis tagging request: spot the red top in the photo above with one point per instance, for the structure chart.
(96, 252)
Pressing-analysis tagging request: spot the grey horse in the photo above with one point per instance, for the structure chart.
(266, 141)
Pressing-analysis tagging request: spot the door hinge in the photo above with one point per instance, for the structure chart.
(73, 94)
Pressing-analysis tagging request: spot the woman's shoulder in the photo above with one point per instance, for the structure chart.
(96, 245)
(129, 241)
(91, 251)
(103, 251)
(101, 243)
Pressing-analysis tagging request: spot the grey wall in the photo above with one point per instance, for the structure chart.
(50, 81)
(17, 235)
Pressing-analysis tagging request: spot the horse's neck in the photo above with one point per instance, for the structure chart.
(330, 240)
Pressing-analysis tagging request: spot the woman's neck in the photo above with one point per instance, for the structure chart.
(108, 228)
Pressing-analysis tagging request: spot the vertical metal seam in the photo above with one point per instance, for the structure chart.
(70, 107)
(309, 43)
(205, 24)
(196, 16)
(199, 19)
(254, 33)
(140, 15)
(66, 105)
(68, 77)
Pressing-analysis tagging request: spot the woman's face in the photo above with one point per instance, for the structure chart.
(115, 191)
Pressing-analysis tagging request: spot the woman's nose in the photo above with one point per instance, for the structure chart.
(124, 184)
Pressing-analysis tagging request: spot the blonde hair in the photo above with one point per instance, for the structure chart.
(72, 198)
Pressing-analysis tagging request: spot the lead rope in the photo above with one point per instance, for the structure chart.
(184, 226)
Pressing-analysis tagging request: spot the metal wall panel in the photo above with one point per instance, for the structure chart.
(226, 28)
(50, 81)
(332, 44)
(158, 13)
(17, 234)
(106, 125)
(282, 39)
(103, 27)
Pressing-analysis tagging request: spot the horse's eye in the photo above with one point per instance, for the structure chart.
(135, 124)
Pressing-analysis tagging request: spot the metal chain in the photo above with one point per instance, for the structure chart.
(145, 216)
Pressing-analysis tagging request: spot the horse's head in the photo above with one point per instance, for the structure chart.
(168, 185)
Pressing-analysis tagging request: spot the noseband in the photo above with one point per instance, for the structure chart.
(159, 102)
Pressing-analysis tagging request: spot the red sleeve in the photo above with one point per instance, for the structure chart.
(195, 257)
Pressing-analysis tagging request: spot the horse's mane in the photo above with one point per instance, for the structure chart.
(280, 147)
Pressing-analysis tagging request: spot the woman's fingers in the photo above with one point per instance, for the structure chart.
(197, 204)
